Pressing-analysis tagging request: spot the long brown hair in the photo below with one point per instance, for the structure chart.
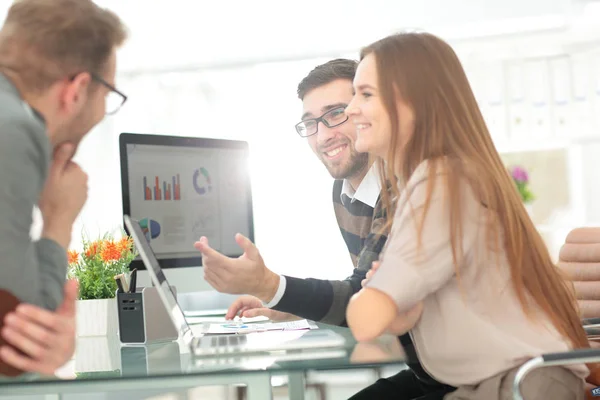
(448, 125)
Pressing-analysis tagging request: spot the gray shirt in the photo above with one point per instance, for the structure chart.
(35, 272)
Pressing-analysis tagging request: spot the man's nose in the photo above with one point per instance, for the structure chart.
(325, 133)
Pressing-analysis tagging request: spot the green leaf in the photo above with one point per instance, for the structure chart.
(523, 188)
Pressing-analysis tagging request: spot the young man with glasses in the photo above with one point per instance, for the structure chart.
(325, 93)
(57, 73)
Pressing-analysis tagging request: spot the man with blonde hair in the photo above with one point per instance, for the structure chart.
(57, 73)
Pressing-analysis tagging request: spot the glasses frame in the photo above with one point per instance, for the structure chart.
(320, 119)
(112, 89)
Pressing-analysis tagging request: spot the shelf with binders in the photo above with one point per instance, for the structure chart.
(539, 103)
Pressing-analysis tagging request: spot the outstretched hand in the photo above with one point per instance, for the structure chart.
(246, 274)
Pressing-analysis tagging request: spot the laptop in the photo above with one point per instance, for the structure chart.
(201, 344)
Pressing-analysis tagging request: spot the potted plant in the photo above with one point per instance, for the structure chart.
(521, 179)
(95, 268)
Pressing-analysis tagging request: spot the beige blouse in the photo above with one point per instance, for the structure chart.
(462, 338)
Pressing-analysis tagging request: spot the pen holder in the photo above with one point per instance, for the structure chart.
(143, 318)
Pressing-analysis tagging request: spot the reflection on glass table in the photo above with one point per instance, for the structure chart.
(101, 365)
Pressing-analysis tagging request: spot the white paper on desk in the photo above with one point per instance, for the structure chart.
(222, 320)
(236, 327)
(293, 325)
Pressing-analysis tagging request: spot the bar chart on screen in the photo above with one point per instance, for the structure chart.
(162, 189)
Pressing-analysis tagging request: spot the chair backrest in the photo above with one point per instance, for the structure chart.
(579, 259)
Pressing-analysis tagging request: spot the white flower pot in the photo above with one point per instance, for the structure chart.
(97, 317)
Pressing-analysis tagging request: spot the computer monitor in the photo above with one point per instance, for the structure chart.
(182, 188)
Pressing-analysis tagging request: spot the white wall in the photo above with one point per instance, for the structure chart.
(292, 191)
(215, 32)
(270, 29)
(230, 70)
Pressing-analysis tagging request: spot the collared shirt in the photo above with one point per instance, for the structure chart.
(367, 193)
(368, 190)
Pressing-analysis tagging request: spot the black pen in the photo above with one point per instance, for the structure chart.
(119, 285)
(132, 280)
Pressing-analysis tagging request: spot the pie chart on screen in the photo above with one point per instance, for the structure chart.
(202, 182)
(151, 228)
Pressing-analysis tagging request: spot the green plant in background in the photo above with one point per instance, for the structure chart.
(98, 263)
(521, 179)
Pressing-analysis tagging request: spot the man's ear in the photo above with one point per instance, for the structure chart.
(74, 92)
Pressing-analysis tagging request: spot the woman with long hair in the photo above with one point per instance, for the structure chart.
(464, 269)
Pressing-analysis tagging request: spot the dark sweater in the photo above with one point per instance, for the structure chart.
(326, 301)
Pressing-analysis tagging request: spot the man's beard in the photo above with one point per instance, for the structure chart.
(356, 163)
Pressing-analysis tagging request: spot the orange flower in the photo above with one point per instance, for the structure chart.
(92, 249)
(124, 245)
(110, 251)
(72, 256)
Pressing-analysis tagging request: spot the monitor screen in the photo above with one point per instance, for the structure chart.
(180, 189)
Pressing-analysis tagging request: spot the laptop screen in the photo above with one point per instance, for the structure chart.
(159, 279)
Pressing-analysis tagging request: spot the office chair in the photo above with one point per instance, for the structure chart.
(579, 259)
(553, 359)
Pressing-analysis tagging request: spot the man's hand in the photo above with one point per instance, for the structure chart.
(64, 195)
(47, 338)
(250, 307)
(246, 274)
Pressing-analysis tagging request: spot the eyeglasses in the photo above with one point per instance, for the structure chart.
(330, 119)
(115, 99)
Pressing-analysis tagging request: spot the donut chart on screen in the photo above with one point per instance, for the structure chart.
(202, 182)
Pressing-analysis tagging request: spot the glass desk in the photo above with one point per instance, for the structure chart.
(101, 364)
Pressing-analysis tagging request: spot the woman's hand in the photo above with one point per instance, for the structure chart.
(370, 273)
